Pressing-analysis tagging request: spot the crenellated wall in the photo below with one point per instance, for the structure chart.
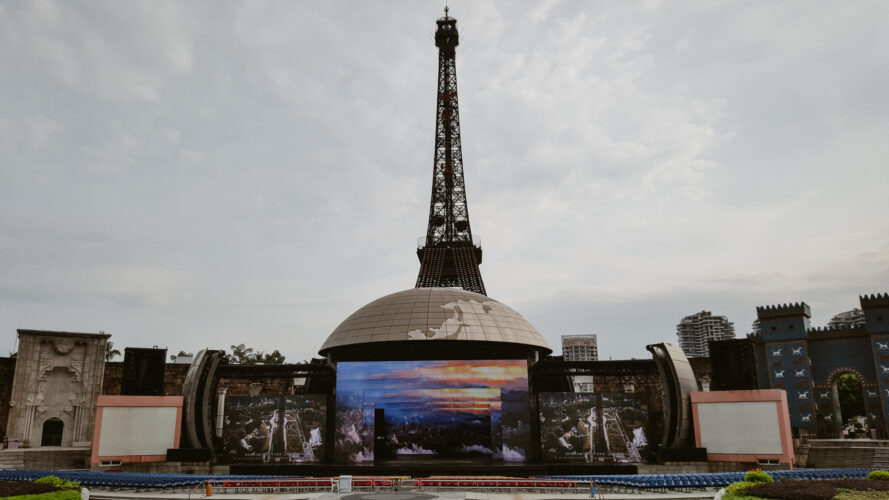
(806, 363)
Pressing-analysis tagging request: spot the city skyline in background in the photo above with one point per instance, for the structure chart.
(192, 176)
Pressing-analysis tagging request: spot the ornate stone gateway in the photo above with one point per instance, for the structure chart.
(58, 378)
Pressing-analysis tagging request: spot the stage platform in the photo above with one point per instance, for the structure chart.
(425, 469)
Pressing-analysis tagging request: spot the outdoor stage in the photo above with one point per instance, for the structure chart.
(431, 468)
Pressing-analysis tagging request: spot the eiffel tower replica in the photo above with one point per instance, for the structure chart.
(449, 257)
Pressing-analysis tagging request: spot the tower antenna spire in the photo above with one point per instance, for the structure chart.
(449, 257)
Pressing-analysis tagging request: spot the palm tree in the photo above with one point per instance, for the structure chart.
(110, 351)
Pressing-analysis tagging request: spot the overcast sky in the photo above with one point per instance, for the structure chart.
(190, 175)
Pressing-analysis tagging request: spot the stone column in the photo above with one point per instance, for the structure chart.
(220, 408)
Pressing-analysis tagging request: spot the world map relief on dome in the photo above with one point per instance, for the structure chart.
(442, 314)
(457, 325)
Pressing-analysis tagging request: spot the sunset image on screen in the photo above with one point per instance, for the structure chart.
(442, 409)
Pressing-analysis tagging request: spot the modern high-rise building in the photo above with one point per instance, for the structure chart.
(698, 330)
(846, 320)
(580, 347)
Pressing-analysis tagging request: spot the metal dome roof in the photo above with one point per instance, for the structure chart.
(442, 314)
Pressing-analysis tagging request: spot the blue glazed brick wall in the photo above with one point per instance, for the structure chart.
(853, 354)
(789, 370)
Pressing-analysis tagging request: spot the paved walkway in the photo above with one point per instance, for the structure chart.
(405, 495)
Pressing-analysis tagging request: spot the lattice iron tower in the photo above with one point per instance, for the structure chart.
(448, 257)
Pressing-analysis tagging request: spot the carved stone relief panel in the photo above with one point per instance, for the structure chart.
(58, 375)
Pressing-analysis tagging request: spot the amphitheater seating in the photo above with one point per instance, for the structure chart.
(544, 483)
(123, 479)
(717, 479)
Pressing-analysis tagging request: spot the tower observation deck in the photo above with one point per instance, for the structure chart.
(449, 257)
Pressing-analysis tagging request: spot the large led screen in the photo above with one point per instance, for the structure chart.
(274, 429)
(593, 427)
(466, 410)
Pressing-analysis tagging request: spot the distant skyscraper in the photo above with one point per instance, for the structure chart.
(580, 347)
(847, 320)
(697, 330)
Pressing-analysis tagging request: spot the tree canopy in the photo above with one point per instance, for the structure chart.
(110, 351)
(180, 353)
(243, 355)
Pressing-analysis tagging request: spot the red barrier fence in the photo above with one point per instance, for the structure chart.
(392, 483)
(302, 484)
(498, 483)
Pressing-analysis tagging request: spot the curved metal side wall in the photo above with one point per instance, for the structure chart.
(197, 392)
(678, 382)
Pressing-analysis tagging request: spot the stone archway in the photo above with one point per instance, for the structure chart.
(849, 404)
(53, 429)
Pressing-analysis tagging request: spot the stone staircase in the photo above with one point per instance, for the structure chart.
(847, 453)
(12, 459)
(45, 458)
(881, 458)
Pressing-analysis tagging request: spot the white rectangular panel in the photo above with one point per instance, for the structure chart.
(749, 427)
(137, 430)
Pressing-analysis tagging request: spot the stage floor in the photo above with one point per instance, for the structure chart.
(431, 468)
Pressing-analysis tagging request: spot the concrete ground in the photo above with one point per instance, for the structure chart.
(406, 495)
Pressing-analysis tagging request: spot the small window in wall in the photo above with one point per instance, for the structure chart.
(52, 432)
(629, 387)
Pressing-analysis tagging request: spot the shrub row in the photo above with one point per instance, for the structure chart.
(809, 490)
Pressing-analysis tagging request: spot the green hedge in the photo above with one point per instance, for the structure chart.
(735, 488)
(758, 476)
(879, 475)
(55, 495)
(57, 482)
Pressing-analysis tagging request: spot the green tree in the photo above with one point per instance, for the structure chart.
(851, 397)
(243, 355)
(272, 358)
(180, 353)
(110, 351)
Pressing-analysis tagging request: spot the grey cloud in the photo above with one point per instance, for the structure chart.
(257, 171)
(109, 48)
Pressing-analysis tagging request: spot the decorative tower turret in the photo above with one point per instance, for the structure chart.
(448, 257)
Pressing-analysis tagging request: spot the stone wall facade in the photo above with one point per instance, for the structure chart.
(7, 372)
(174, 377)
(58, 375)
(113, 379)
